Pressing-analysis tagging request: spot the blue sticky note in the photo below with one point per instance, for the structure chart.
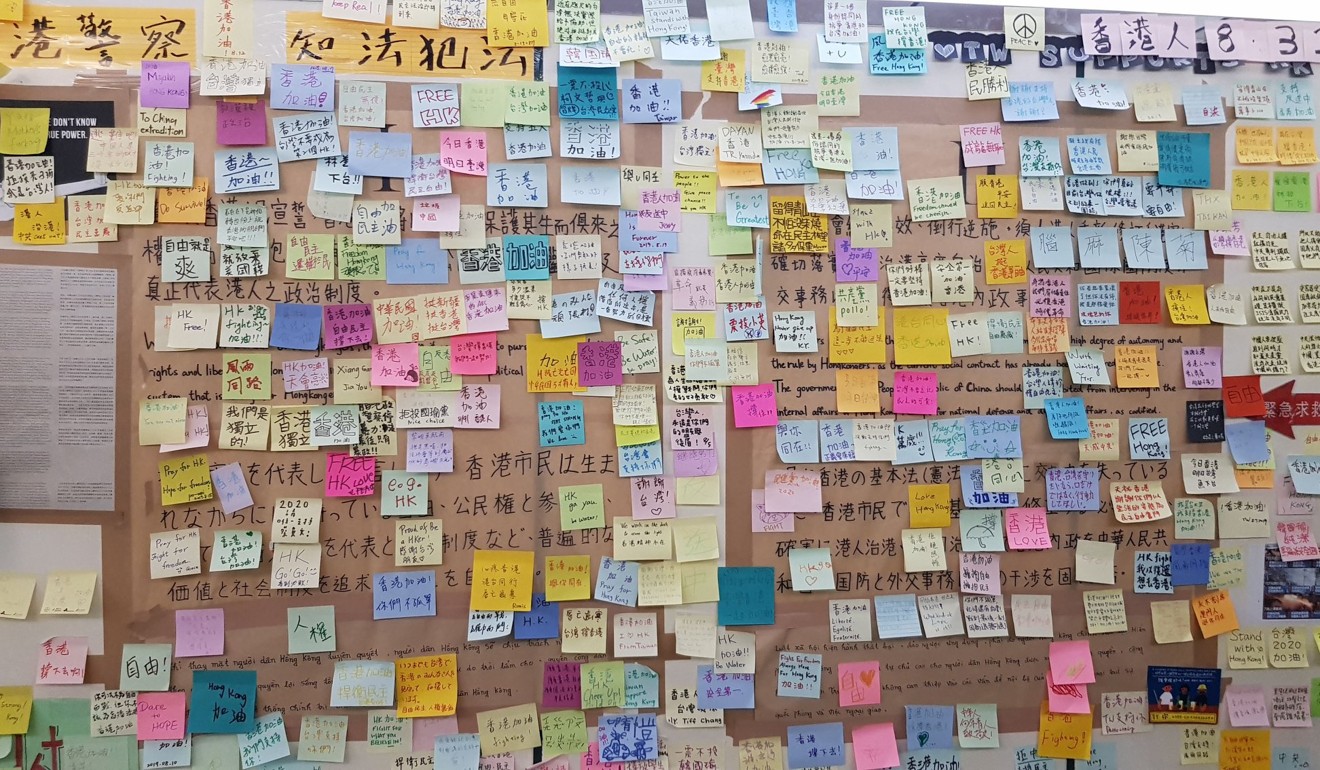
(652, 100)
(1089, 154)
(519, 185)
(799, 675)
(527, 257)
(782, 15)
(1072, 489)
(974, 494)
(540, 622)
(403, 595)
(296, 327)
(416, 260)
(1305, 473)
(797, 442)
(309, 87)
(374, 153)
(1152, 572)
(561, 423)
(1028, 101)
(1097, 304)
(628, 737)
(725, 691)
(222, 702)
(930, 727)
(589, 92)
(1067, 419)
(815, 746)
(912, 438)
(788, 166)
(1053, 247)
(641, 687)
(633, 239)
(895, 61)
(747, 596)
(874, 148)
(616, 582)
(836, 441)
(1189, 564)
(1185, 249)
(1148, 438)
(994, 437)
(1246, 440)
(1098, 248)
(641, 460)
(1290, 758)
(948, 439)
(459, 750)
(1184, 158)
(896, 616)
(571, 314)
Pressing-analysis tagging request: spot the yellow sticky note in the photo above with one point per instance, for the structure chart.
(996, 196)
(16, 598)
(11, 10)
(1244, 749)
(726, 73)
(1246, 649)
(632, 435)
(857, 344)
(15, 709)
(698, 190)
(1213, 210)
(582, 631)
(1006, 262)
(1136, 366)
(725, 238)
(642, 540)
(40, 224)
(581, 506)
(1187, 304)
(871, 224)
(502, 580)
(1287, 647)
(698, 490)
(310, 257)
(937, 198)
(563, 732)
(1137, 151)
(684, 326)
(794, 229)
(921, 337)
(660, 583)
(760, 754)
(1215, 613)
(185, 480)
(857, 391)
(1063, 736)
(1255, 144)
(700, 581)
(567, 578)
(929, 505)
(515, 24)
(426, 686)
(695, 539)
(1252, 191)
(23, 130)
(515, 728)
(552, 364)
(69, 593)
(162, 421)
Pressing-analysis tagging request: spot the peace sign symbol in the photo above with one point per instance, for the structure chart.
(1024, 25)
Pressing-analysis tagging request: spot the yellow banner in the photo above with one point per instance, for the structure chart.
(87, 35)
(381, 49)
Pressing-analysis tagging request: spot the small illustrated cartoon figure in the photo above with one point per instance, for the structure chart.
(1184, 698)
(1202, 697)
(1166, 698)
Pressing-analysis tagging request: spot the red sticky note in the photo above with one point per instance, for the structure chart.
(1243, 397)
(240, 124)
(161, 716)
(473, 354)
(1139, 302)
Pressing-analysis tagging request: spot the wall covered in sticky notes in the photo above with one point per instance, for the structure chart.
(836, 388)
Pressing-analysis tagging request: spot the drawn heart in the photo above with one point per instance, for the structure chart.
(868, 678)
(809, 579)
(923, 738)
(945, 51)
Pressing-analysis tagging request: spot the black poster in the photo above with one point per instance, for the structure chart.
(70, 128)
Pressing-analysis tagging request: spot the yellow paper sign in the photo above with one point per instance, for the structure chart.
(502, 580)
(40, 224)
(929, 505)
(53, 36)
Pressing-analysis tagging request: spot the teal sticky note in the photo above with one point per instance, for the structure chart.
(561, 423)
(895, 61)
(799, 675)
(747, 596)
(641, 687)
(1184, 158)
(1067, 419)
(223, 702)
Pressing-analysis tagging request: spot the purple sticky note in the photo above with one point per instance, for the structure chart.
(165, 84)
(690, 463)
(240, 124)
(561, 686)
(231, 488)
(199, 633)
(600, 363)
(347, 325)
(855, 264)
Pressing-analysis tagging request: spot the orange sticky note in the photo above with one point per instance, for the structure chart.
(183, 205)
(1215, 613)
(739, 174)
(857, 391)
(1244, 750)
(502, 580)
(930, 505)
(426, 686)
(921, 337)
(1135, 366)
(1006, 262)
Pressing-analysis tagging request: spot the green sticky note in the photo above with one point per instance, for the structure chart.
(66, 716)
(312, 629)
(403, 493)
(435, 375)
(581, 507)
(87, 753)
(563, 732)
(215, 752)
(728, 239)
(483, 103)
(1315, 697)
(528, 105)
(235, 550)
(360, 261)
(978, 725)
(146, 667)
(603, 685)
(1292, 191)
(246, 377)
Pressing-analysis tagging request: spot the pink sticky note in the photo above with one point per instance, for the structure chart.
(916, 392)
(693, 288)
(1028, 529)
(1070, 662)
(1203, 367)
(561, 685)
(854, 264)
(754, 406)
(349, 476)
(1247, 706)
(691, 427)
(478, 407)
(660, 211)
(793, 492)
(982, 144)
(165, 84)
(1051, 296)
(436, 214)
(859, 683)
(425, 730)
(694, 463)
(346, 325)
(486, 309)
(635, 282)
(600, 363)
(473, 353)
(240, 124)
(199, 633)
(653, 497)
(874, 746)
(396, 365)
(160, 715)
(764, 521)
(196, 431)
(1296, 541)
(979, 574)
(464, 152)
(62, 660)
(1067, 698)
